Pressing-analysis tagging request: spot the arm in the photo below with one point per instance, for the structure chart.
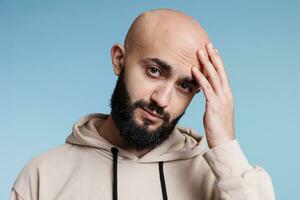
(235, 177)
(15, 196)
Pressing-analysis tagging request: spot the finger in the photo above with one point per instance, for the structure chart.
(203, 83)
(217, 62)
(212, 75)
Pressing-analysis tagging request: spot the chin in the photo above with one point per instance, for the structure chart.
(151, 126)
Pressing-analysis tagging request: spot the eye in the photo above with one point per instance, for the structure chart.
(154, 71)
(186, 87)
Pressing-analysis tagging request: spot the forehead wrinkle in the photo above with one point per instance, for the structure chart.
(186, 58)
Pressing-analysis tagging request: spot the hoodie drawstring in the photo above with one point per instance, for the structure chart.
(162, 180)
(115, 151)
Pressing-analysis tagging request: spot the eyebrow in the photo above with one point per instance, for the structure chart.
(164, 65)
(168, 69)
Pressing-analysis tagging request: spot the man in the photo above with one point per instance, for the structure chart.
(138, 152)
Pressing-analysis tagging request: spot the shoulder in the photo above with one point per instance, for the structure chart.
(189, 137)
(60, 155)
(51, 159)
(63, 158)
(43, 158)
(30, 175)
(50, 155)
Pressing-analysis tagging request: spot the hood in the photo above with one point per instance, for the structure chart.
(184, 143)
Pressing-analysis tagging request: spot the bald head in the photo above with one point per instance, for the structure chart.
(167, 35)
(167, 28)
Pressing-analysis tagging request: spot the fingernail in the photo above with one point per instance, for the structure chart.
(210, 45)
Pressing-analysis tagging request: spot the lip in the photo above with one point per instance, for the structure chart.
(151, 115)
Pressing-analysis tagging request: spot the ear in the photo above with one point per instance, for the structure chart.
(117, 58)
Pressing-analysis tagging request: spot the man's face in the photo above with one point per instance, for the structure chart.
(138, 135)
(160, 73)
(159, 53)
(152, 93)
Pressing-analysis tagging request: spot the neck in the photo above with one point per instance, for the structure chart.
(110, 132)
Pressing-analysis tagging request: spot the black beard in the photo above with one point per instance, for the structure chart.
(134, 135)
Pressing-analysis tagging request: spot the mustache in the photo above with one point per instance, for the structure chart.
(153, 107)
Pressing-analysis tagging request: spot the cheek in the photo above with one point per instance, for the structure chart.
(138, 86)
(177, 106)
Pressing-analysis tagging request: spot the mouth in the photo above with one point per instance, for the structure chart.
(152, 115)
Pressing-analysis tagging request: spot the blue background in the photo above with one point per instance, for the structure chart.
(55, 67)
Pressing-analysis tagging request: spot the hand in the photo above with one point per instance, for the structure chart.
(218, 117)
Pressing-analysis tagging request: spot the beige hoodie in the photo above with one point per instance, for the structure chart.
(84, 169)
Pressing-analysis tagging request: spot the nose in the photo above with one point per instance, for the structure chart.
(162, 95)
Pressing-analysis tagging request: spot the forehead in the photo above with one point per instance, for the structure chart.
(177, 47)
(174, 40)
(181, 56)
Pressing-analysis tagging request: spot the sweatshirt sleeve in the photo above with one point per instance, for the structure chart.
(15, 196)
(235, 177)
(26, 185)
